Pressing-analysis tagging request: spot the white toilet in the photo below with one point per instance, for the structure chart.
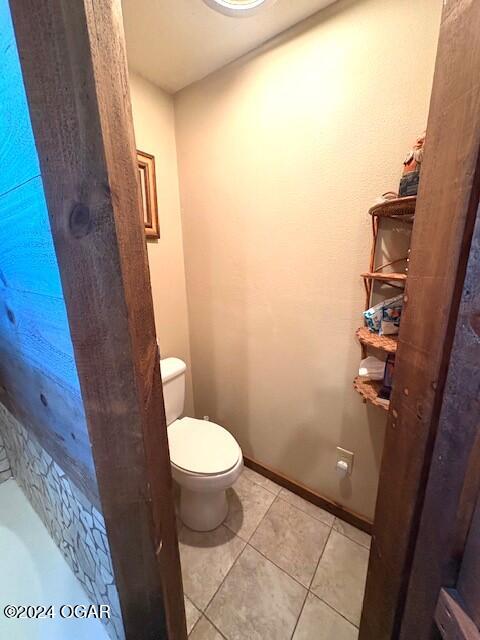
(206, 459)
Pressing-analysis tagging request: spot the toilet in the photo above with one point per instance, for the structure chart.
(206, 459)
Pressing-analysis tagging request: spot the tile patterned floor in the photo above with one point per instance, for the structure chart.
(278, 568)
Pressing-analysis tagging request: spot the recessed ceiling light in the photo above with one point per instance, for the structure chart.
(238, 7)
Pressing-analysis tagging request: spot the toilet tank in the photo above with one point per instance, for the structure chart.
(173, 381)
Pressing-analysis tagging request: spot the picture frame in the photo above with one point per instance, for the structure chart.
(148, 191)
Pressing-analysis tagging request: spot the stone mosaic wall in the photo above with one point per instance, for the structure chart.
(5, 472)
(75, 525)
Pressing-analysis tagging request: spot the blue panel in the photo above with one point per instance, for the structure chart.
(26, 242)
(37, 365)
(35, 325)
(18, 156)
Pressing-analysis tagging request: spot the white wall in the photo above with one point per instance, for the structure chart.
(153, 120)
(280, 156)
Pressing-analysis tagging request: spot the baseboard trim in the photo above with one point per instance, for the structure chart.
(307, 494)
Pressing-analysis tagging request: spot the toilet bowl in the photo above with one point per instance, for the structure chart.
(206, 459)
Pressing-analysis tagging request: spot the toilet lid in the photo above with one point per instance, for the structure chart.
(200, 446)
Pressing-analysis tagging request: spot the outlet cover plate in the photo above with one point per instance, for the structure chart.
(346, 456)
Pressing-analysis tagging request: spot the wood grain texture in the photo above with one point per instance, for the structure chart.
(38, 375)
(73, 59)
(452, 620)
(442, 232)
(44, 406)
(18, 156)
(454, 478)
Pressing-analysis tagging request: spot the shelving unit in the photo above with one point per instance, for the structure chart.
(385, 277)
(369, 389)
(400, 209)
(369, 339)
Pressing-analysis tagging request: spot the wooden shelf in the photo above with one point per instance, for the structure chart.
(401, 209)
(385, 277)
(398, 209)
(369, 389)
(385, 343)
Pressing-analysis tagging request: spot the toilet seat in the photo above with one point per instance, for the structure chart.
(202, 448)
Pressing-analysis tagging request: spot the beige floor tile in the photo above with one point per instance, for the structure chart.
(319, 622)
(253, 476)
(307, 507)
(257, 601)
(206, 559)
(352, 532)
(341, 574)
(292, 540)
(204, 630)
(248, 502)
(192, 613)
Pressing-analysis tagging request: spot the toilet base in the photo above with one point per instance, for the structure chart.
(203, 510)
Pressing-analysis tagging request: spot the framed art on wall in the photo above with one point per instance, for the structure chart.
(148, 190)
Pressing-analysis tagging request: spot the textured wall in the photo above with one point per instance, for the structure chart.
(76, 526)
(280, 156)
(154, 124)
(5, 471)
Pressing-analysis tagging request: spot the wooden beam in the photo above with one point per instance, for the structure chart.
(75, 73)
(444, 219)
(454, 478)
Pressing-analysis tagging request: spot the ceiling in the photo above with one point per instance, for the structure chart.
(176, 42)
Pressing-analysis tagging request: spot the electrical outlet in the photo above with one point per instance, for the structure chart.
(347, 457)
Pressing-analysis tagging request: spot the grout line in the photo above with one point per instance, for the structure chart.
(215, 627)
(246, 544)
(317, 596)
(278, 567)
(344, 535)
(304, 510)
(354, 541)
(252, 481)
(237, 558)
(196, 621)
(335, 610)
(260, 522)
(203, 615)
(307, 587)
(329, 526)
(320, 559)
(228, 572)
(321, 553)
(299, 615)
(262, 519)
